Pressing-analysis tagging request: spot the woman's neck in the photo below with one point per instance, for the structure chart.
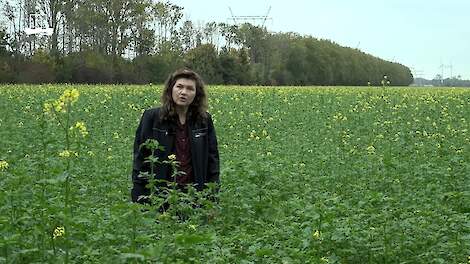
(181, 111)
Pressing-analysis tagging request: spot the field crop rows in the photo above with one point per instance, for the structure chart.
(309, 175)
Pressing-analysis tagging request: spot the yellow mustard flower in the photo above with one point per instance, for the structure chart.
(371, 149)
(67, 153)
(69, 96)
(81, 128)
(316, 234)
(64, 154)
(58, 232)
(47, 107)
(59, 106)
(3, 165)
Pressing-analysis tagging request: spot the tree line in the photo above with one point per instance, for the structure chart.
(142, 41)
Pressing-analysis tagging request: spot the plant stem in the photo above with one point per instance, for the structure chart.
(67, 187)
(42, 177)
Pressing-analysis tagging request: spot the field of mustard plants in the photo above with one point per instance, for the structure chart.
(309, 175)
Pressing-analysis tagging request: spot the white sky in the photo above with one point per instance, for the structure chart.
(421, 34)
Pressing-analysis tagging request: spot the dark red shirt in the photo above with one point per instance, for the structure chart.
(183, 155)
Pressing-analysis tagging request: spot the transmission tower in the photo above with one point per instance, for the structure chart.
(243, 19)
(446, 66)
(418, 76)
(451, 69)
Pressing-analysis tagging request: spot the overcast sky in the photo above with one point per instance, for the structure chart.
(421, 34)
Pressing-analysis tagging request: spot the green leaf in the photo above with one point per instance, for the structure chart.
(191, 239)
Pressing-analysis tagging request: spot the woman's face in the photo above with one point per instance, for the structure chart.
(183, 92)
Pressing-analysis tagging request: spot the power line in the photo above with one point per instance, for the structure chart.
(243, 19)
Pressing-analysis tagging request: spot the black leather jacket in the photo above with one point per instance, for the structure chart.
(204, 151)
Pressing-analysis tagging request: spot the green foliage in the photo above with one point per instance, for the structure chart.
(234, 66)
(7, 74)
(3, 42)
(86, 67)
(204, 59)
(155, 69)
(40, 69)
(311, 175)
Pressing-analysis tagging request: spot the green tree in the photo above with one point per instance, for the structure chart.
(4, 43)
(234, 66)
(203, 59)
(230, 34)
(166, 17)
(189, 36)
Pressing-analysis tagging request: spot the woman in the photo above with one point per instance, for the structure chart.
(185, 130)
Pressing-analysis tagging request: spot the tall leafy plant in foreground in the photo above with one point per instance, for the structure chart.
(61, 114)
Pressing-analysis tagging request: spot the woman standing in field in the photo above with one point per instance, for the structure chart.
(185, 130)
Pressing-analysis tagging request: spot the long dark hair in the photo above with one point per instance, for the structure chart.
(197, 109)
